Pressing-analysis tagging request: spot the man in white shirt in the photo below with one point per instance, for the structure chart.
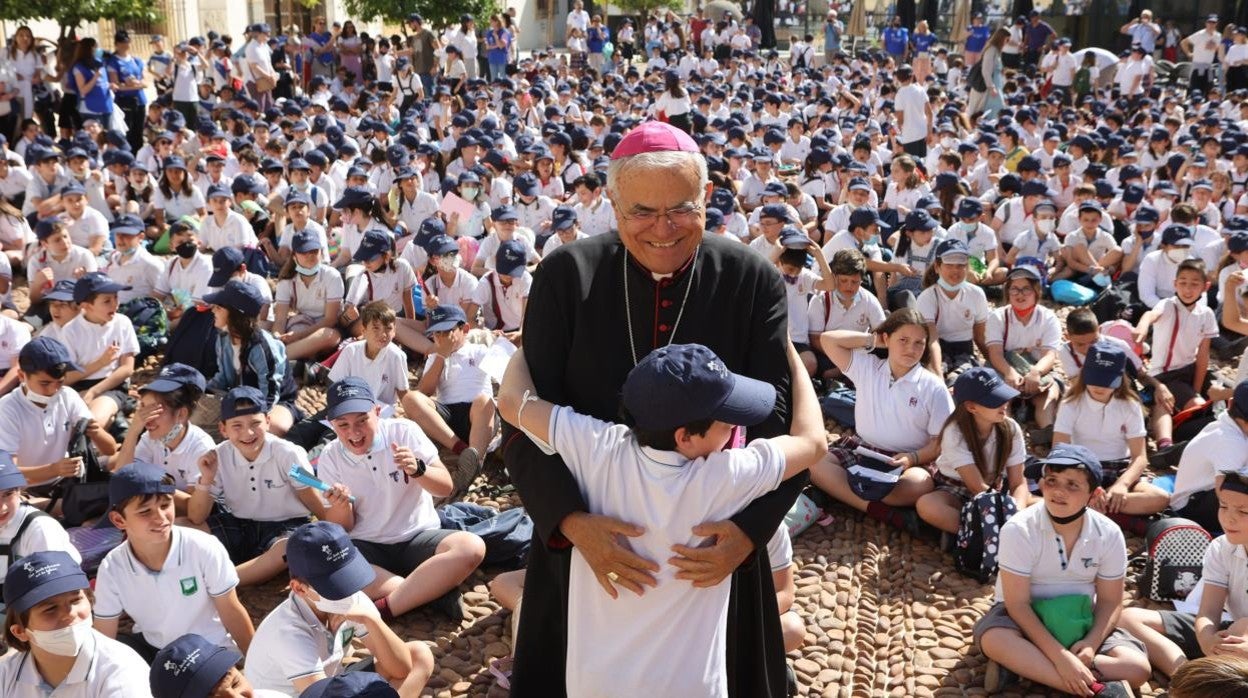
(1202, 48)
(259, 60)
(914, 114)
(578, 18)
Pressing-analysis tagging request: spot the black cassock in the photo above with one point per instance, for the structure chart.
(576, 341)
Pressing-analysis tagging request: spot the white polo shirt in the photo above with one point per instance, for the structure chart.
(1102, 242)
(1031, 548)
(288, 235)
(39, 435)
(182, 462)
(261, 490)
(826, 312)
(385, 373)
(236, 231)
(1177, 334)
(597, 218)
(140, 271)
(1042, 331)
(1103, 428)
(63, 269)
(103, 667)
(391, 506)
(956, 317)
(14, 335)
(458, 292)
(386, 285)
(1221, 445)
(1072, 363)
(955, 453)
(604, 634)
(87, 341)
(177, 599)
(900, 415)
(1226, 566)
(509, 299)
(310, 294)
(845, 240)
(83, 231)
(192, 278)
(797, 298)
(291, 644)
(462, 379)
(982, 239)
(489, 248)
(42, 534)
(1029, 244)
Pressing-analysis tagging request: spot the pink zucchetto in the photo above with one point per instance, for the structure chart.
(651, 137)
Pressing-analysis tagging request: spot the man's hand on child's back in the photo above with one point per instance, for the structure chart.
(602, 541)
(725, 549)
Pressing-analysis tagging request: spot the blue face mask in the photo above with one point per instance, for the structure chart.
(873, 240)
(948, 286)
(99, 54)
(789, 279)
(307, 271)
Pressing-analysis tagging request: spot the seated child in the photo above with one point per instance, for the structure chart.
(799, 283)
(454, 401)
(385, 279)
(193, 667)
(1211, 677)
(683, 404)
(847, 307)
(956, 312)
(1023, 337)
(1159, 268)
(104, 343)
(1184, 328)
(187, 276)
(1090, 251)
(981, 240)
(981, 449)
(25, 530)
(308, 301)
(307, 637)
(1035, 565)
(61, 309)
(916, 245)
(161, 567)
(900, 410)
(162, 432)
(245, 492)
(503, 293)
(1221, 445)
(130, 264)
(48, 630)
(450, 283)
(1102, 412)
(1039, 241)
(395, 469)
(56, 259)
(1174, 637)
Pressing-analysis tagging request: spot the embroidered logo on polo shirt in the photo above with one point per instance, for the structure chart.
(1089, 562)
(189, 586)
(914, 402)
(188, 663)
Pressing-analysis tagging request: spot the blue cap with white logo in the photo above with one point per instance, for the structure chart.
(684, 383)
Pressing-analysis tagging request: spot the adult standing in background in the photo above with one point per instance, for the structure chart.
(320, 47)
(663, 281)
(985, 96)
(578, 18)
(833, 30)
(976, 39)
(1012, 51)
(914, 113)
(1236, 62)
(1038, 37)
(497, 47)
(896, 40)
(422, 46)
(1203, 48)
(464, 38)
(259, 59)
(1143, 31)
(596, 40)
(27, 65)
(91, 80)
(698, 24)
(125, 74)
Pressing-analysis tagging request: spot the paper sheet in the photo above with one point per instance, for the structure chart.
(494, 363)
(453, 203)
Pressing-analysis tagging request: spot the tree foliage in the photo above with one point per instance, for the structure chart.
(437, 13)
(70, 14)
(641, 8)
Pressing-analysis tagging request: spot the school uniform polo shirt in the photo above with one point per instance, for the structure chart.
(845, 240)
(897, 415)
(386, 285)
(103, 667)
(1043, 331)
(1178, 332)
(462, 379)
(667, 495)
(1226, 566)
(13, 336)
(797, 295)
(292, 644)
(955, 453)
(780, 550)
(955, 317)
(1029, 244)
(288, 234)
(554, 242)
(489, 248)
(182, 462)
(42, 534)
(385, 373)
(982, 239)
(62, 269)
(1220, 445)
(177, 599)
(236, 231)
(413, 213)
(1156, 277)
(140, 271)
(311, 298)
(458, 292)
(535, 213)
(390, 506)
(597, 218)
(826, 312)
(1101, 243)
(39, 435)
(84, 230)
(509, 299)
(1072, 363)
(87, 341)
(1103, 428)
(260, 490)
(1031, 548)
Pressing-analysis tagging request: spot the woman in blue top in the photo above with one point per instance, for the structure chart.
(976, 39)
(498, 47)
(91, 80)
(922, 41)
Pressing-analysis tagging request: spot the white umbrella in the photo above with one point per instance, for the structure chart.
(1106, 62)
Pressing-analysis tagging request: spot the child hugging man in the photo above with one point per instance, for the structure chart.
(666, 473)
(454, 400)
(104, 343)
(245, 492)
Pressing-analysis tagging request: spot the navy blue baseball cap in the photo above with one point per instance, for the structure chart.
(175, 376)
(504, 213)
(127, 224)
(684, 383)
(1146, 214)
(970, 207)
(779, 212)
(511, 258)
(1064, 456)
(1236, 242)
(225, 262)
(42, 353)
(952, 250)
(793, 239)
(323, 555)
(73, 188)
(355, 197)
(237, 295)
(294, 196)
(242, 401)
(430, 228)
(439, 245)
(62, 291)
(562, 218)
(10, 477)
(305, 241)
(919, 219)
(445, 317)
(714, 218)
(357, 684)
(40, 576)
(45, 227)
(175, 162)
(137, 479)
(982, 386)
(1179, 235)
(1104, 365)
(526, 184)
(219, 191)
(350, 395)
(865, 216)
(94, 282)
(190, 667)
(374, 244)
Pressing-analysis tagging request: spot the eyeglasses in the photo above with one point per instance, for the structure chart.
(685, 214)
(1021, 290)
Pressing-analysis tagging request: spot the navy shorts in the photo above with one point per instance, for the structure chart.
(401, 558)
(247, 539)
(456, 415)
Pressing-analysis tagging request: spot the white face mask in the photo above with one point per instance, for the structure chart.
(1046, 226)
(36, 399)
(335, 608)
(1177, 255)
(65, 642)
(448, 263)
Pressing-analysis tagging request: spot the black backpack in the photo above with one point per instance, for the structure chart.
(86, 497)
(979, 533)
(1176, 555)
